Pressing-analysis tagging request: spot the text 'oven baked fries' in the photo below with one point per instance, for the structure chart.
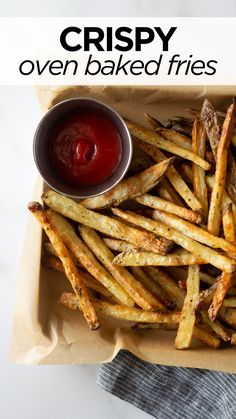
(103, 223)
(214, 216)
(130, 187)
(123, 313)
(207, 254)
(70, 269)
(136, 291)
(158, 141)
(82, 253)
(150, 251)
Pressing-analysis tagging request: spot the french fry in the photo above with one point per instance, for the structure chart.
(153, 122)
(158, 203)
(139, 258)
(228, 224)
(194, 232)
(214, 216)
(173, 176)
(228, 315)
(149, 284)
(187, 319)
(123, 313)
(157, 140)
(103, 223)
(90, 282)
(205, 253)
(129, 187)
(175, 137)
(233, 339)
(70, 269)
(199, 184)
(187, 173)
(142, 297)
(87, 259)
(162, 326)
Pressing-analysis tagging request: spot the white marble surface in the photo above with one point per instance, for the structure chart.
(54, 391)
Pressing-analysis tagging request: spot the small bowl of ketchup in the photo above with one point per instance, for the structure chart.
(82, 148)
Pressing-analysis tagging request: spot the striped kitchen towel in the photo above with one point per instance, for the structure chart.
(170, 392)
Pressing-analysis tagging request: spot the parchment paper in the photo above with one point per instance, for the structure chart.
(45, 332)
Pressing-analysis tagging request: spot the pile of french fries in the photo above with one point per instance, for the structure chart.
(169, 262)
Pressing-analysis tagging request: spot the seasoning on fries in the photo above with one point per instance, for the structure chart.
(159, 249)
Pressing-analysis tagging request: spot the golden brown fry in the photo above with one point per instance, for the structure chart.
(222, 288)
(104, 224)
(206, 254)
(153, 122)
(214, 216)
(210, 180)
(87, 259)
(187, 319)
(199, 183)
(121, 312)
(228, 224)
(216, 326)
(157, 140)
(70, 269)
(160, 204)
(175, 137)
(136, 291)
(139, 258)
(162, 326)
(194, 232)
(90, 282)
(173, 176)
(210, 122)
(149, 284)
(129, 187)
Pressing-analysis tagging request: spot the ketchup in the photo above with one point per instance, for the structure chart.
(85, 148)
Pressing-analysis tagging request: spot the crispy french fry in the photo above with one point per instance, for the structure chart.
(130, 187)
(194, 232)
(153, 122)
(158, 203)
(70, 269)
(228, 224)
(187, 319)
(214, 216)
(162, 326)
(139, 258)
(216, 326)
(136, 291)
(121, 312)
(207, 254)
(175, 137)
(87, 259)
(157, 140)
(103, 223)
(90, 282)
(199, 183)
(149, 284)
(173, 176)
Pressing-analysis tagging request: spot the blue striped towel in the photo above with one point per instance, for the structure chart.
(170, 392)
